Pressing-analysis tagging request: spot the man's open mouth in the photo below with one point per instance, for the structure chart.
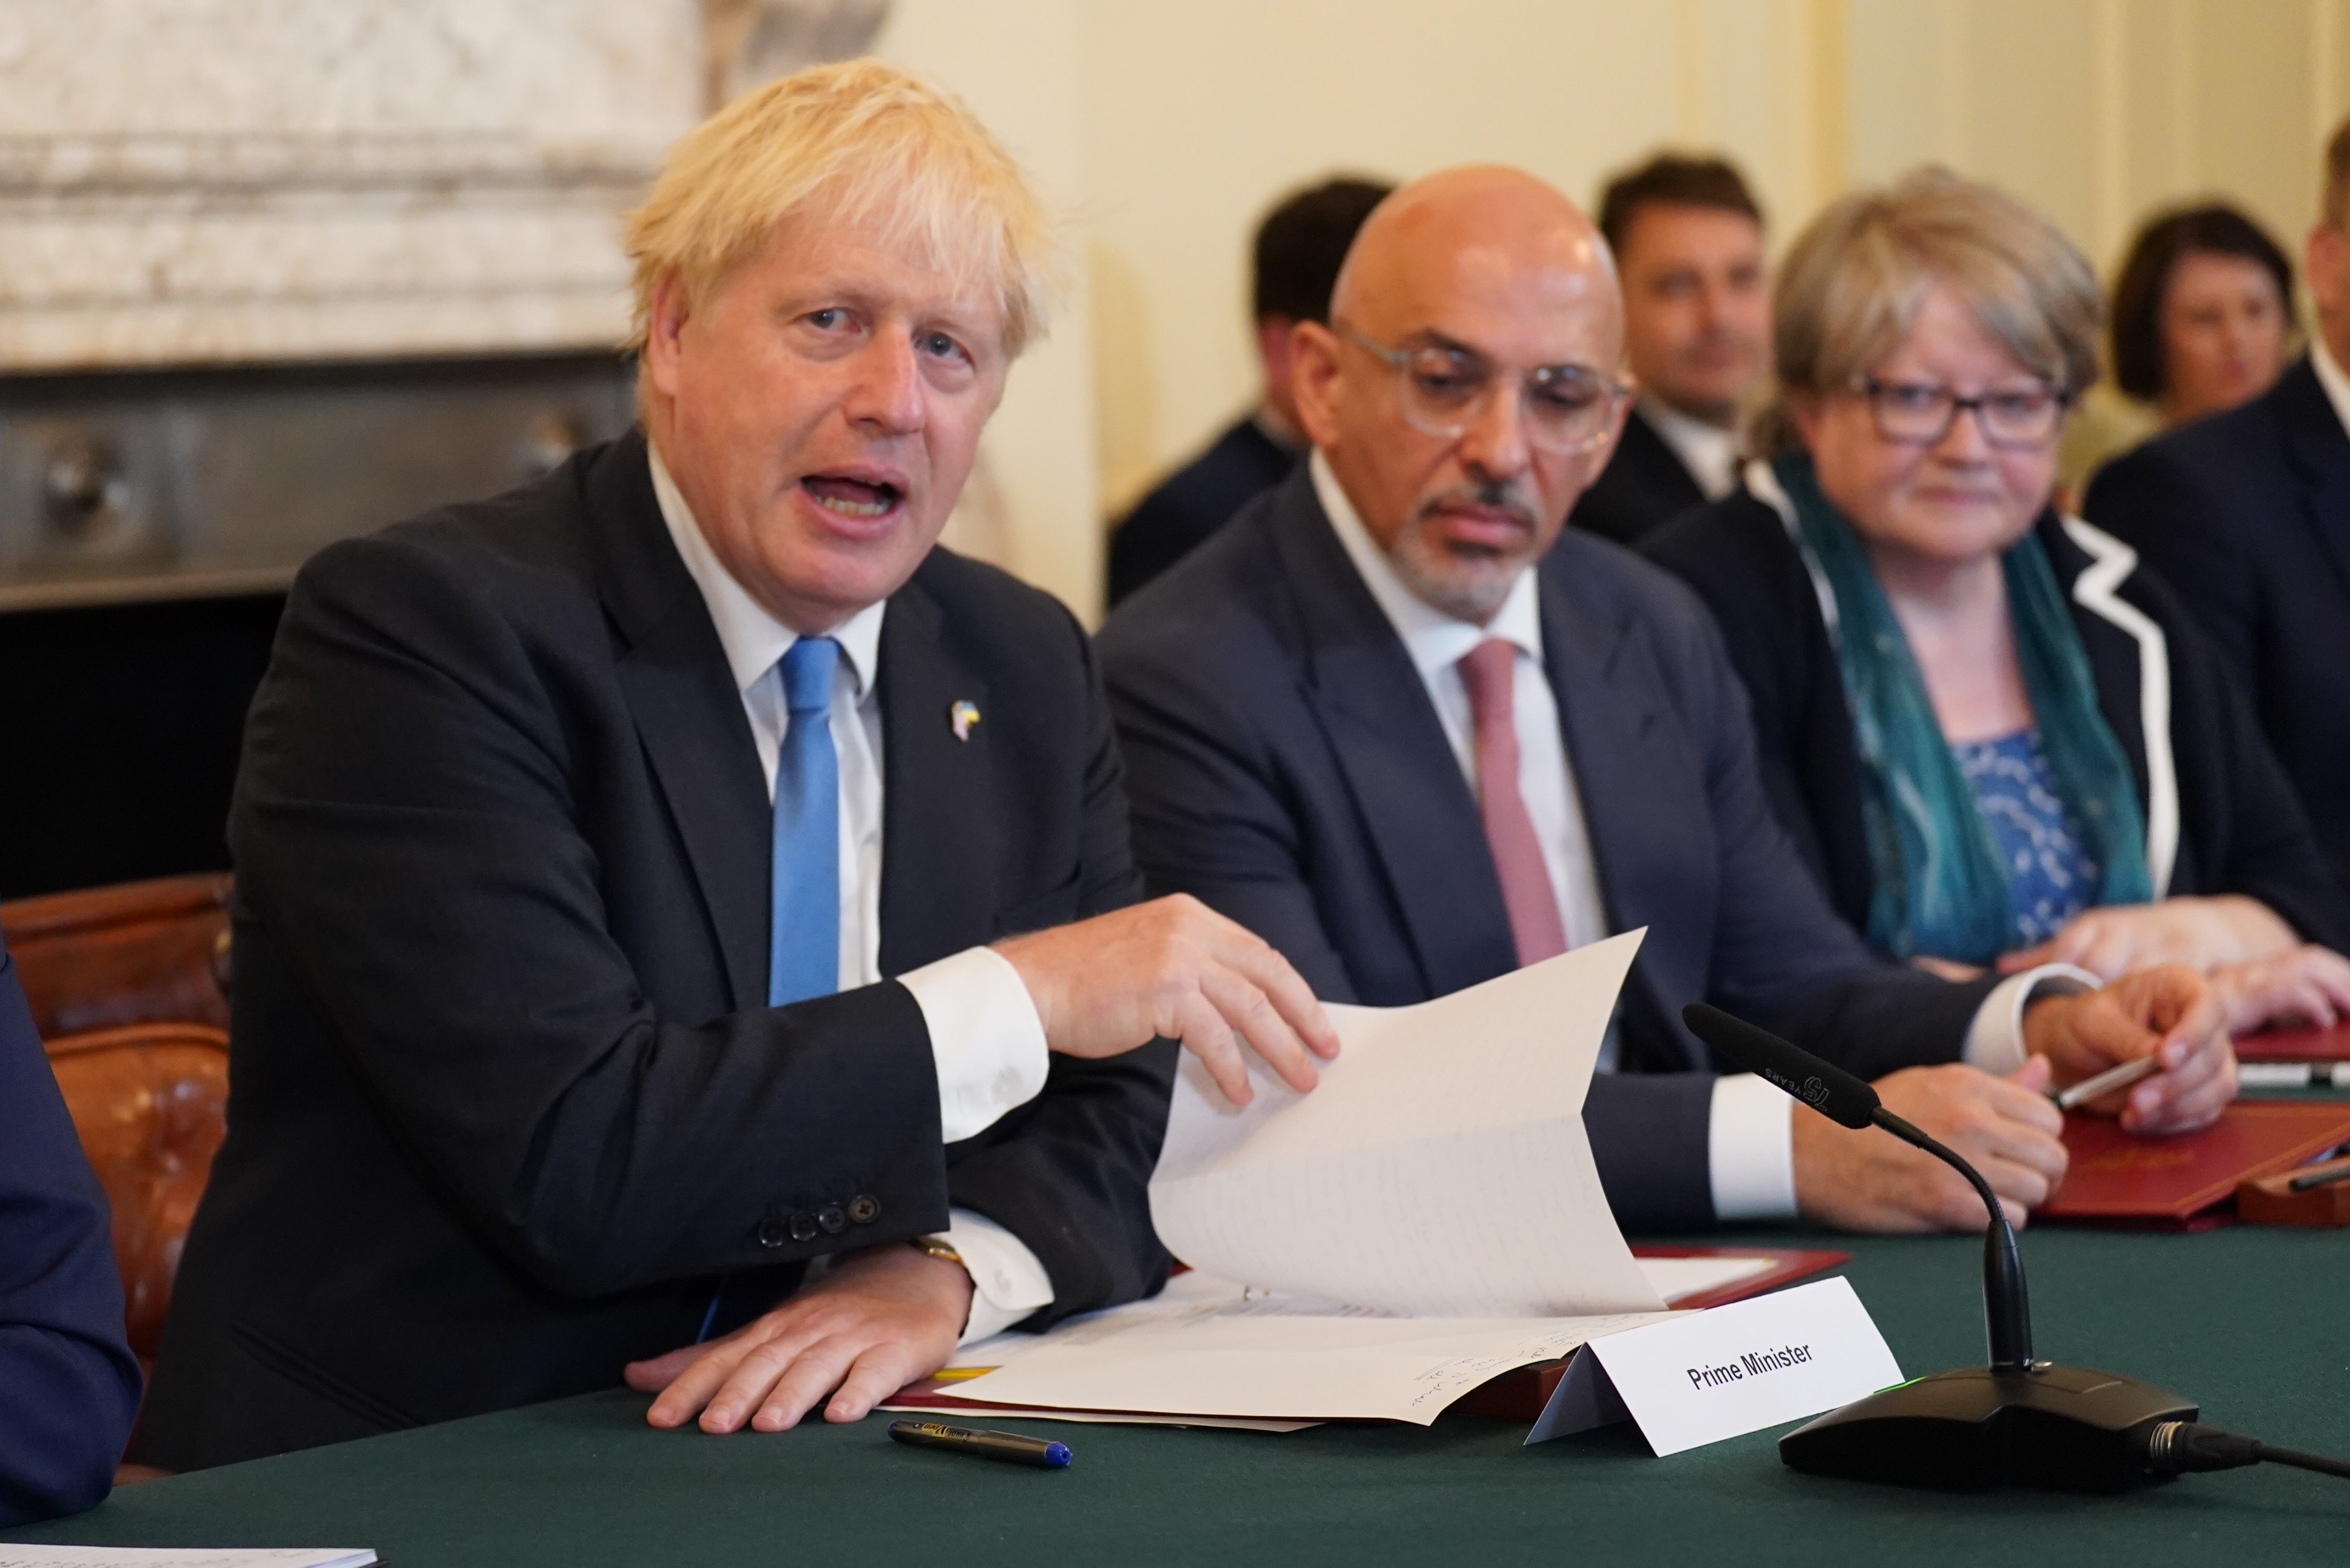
(852, 497)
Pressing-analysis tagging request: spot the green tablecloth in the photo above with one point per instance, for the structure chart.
(2250, 1322)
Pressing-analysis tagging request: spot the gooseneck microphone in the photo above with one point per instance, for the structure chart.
(1846, 1099)
(2017, 1422)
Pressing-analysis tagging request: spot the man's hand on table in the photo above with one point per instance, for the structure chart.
(879, 1320)
(1868, 1179)
(2169, 1010)
(1173, 969)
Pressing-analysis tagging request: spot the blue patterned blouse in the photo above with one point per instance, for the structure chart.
(2049, 875)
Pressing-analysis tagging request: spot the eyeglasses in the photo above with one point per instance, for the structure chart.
(1443, 389)
(1920, 413)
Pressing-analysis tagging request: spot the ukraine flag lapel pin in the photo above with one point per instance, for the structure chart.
(961, 717)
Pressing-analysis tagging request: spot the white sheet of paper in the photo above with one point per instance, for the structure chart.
(1206, 1345)
(182, 1557)
(1440, 1169)
(1700, 1378)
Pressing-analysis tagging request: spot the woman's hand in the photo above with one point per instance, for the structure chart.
(2201, 933)
(2308, 986)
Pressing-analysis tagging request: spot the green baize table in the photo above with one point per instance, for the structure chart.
(2253, 1324)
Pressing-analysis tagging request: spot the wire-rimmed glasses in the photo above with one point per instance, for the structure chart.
(1443, 388)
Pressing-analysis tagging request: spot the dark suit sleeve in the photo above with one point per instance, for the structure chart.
(1782, 957)
(407, 822)
(1068, 1173)
(69, 1386)
(2166, 511)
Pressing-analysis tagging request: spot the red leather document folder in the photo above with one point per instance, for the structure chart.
(2295, 1045)
(2171, 1181)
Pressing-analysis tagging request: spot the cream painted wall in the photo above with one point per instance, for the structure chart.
(1163, 130)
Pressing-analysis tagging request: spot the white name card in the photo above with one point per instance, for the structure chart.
(1702, 1376)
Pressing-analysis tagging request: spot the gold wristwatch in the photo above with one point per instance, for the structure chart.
(937, 1247)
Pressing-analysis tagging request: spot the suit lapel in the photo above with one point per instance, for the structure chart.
(1611, 726)
(1418, 810)
(938, 834)
(2320, 450)
(674, 677)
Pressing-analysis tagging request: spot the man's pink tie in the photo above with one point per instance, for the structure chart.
(1486, 671)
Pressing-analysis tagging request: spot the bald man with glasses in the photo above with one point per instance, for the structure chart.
(1399, 724)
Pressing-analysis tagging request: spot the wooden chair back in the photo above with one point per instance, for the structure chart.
(140, 952)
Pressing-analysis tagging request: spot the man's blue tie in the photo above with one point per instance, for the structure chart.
(804, 933)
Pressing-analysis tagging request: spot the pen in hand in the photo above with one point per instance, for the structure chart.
(2105, 1083)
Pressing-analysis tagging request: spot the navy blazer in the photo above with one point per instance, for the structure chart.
(2247, 515)
(506, 1100)
(1192, 503)
(1644, 485)
(2225, 822)
(69, 1383)
(1288, 768)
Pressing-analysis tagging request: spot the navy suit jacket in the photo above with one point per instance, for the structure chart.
(506, 1101)
(1192, 503)
(2246, 516)
(1288, 768)
(68, 1384)
(1644, 484)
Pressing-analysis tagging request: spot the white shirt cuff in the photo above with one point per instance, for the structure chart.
(1007, 1282)
(1995, 1038)
(985, 1038)
(1750, 1146)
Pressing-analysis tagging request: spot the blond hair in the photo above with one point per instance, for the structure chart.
(858, 142)
(1850, 287)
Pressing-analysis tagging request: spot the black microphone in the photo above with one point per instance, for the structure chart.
(1846, 1099)
(2015, 1422)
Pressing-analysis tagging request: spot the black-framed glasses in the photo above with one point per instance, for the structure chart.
(1443, 388)
(1920, 413)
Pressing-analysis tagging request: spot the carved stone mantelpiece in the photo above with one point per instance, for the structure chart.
(204, 181)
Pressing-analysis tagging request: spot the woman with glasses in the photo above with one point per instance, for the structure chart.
(1997, 739)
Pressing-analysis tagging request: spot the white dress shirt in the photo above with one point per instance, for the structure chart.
(985, 1038)
(1707, 451)
(1749, 1130)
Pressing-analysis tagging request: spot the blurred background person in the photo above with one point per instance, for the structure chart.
(1951, 683)
(1298, 249)
(2202, 315)
(2202, 322)
(1687, 235)
(2247, 514)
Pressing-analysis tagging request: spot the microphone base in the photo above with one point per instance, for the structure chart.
(2063, 1428)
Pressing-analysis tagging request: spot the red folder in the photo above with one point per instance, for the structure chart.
(2295, 1045)
(2114, 1176)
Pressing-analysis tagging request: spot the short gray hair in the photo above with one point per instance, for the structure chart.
(1851, 287)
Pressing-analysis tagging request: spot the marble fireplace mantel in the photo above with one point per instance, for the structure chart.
(207, 181)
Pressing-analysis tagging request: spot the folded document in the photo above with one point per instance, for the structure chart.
(1426, 1220)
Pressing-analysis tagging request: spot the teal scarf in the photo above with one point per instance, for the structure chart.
(1941, 886)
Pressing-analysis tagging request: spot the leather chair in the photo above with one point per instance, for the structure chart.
(128, 990)
(149, 1102)
(140, 952)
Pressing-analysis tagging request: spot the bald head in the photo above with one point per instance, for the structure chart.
(1482, 278)
(1482, 232)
